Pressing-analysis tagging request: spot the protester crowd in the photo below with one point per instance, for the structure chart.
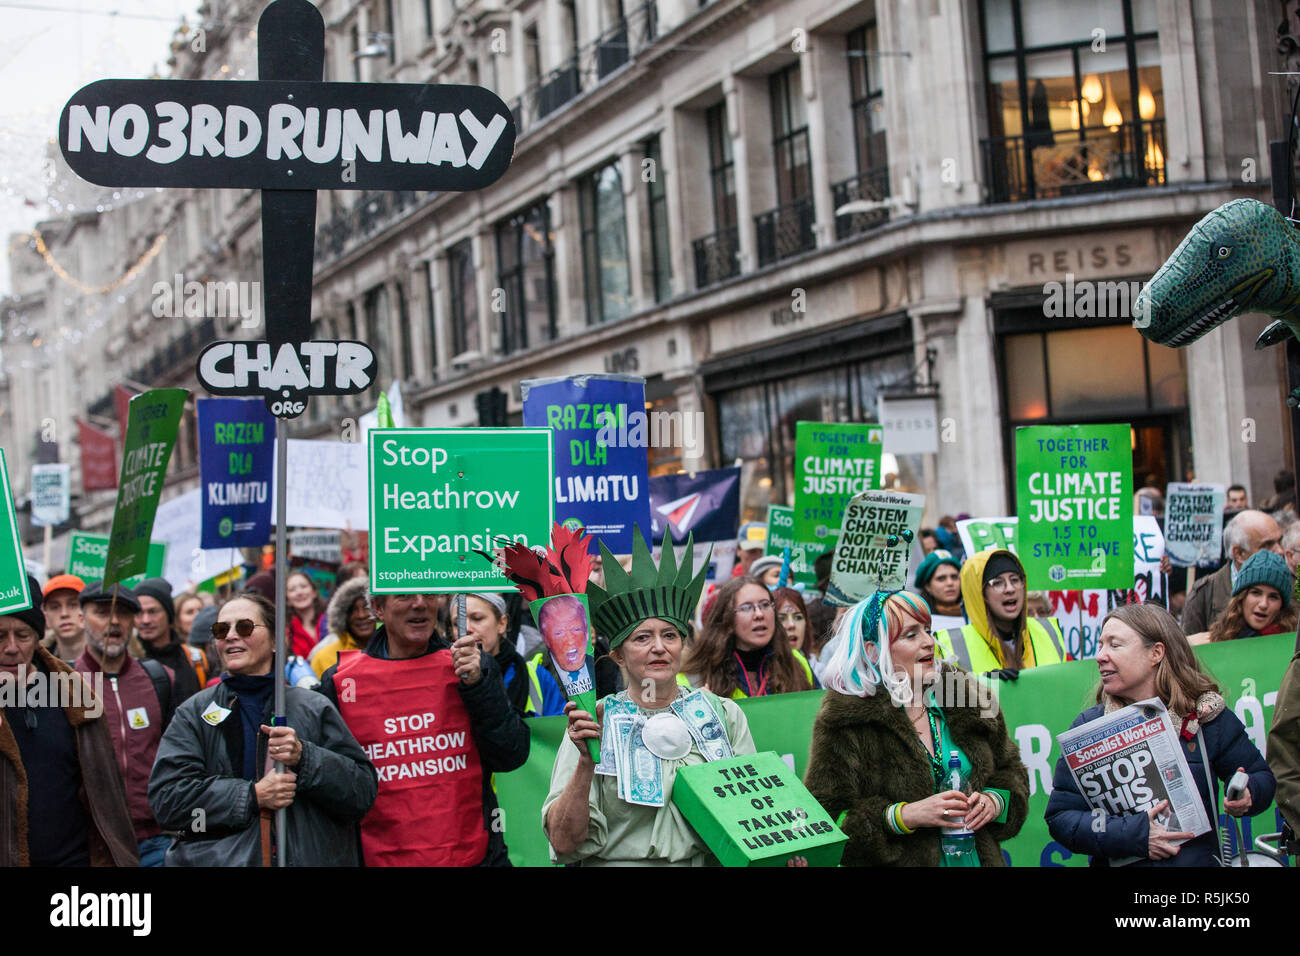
(173, 754)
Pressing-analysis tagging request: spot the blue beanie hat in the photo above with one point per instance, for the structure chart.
(1265, 567)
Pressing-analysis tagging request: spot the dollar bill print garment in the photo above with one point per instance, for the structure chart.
(633, 821)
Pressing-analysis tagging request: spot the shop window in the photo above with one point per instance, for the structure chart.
(757, 425)
(606, 275)
(377, 333)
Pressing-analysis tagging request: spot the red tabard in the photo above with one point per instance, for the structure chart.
(409, 718)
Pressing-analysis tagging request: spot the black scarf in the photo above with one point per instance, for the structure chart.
(517, 687)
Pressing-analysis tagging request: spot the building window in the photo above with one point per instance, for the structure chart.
(377, 335)
(527, 274)
(404, 332)
(390, 27)
(1065, 119)
(871, 184)
(660, 257)
(356, 48)
(428, 18)
(607, 279)
(788, 229)
(717, 256)
(464, 299)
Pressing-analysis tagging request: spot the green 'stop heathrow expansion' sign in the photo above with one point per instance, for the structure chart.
(88, 553)
(14, 593)
(1074, 498)
(439, 495)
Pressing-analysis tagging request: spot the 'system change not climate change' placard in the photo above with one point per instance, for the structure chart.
(864, 561)
(438, 495)
(832, 463)
(1074, 498)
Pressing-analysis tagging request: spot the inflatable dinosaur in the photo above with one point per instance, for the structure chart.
(1242, 257)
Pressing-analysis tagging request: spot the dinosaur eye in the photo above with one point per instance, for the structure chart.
(1223, 252)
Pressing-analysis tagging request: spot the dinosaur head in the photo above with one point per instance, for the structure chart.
(1237, 259)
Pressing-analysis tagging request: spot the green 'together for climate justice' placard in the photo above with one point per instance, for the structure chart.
(437, 495)
(1074, 498)
(14, 594)
(88, 552)
(832, 463)
(152, 420)
(753, 810)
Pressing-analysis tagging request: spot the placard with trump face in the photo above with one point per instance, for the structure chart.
(565, 623)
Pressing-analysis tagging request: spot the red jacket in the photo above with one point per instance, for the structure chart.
(135, 722)
(301, 641)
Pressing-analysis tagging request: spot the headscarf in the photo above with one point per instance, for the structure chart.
(858, 659)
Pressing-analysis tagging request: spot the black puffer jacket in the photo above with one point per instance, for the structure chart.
(195, 771)
(500, 734)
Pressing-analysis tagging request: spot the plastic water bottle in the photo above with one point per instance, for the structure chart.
(958, 843)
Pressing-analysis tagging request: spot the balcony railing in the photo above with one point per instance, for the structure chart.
(590, 66)
(717, 257)
(785, 231)
(372, 211)
(871, 186)
(1095, 159)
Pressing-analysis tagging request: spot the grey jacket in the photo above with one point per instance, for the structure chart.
(1209, 597)
(195, 790)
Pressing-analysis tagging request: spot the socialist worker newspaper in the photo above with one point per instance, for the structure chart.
(1129, 760)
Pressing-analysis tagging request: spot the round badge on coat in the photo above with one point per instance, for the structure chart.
(666, 737)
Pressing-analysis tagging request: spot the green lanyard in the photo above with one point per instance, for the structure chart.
(936, 758)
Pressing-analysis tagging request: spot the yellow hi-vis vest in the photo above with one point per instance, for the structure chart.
(535, 701)
(973, 653)
(802, 661)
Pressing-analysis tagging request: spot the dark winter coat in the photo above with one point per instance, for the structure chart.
(866, 756)
(1070, 818)
(500, 734)
(198, 768)
(111, 836)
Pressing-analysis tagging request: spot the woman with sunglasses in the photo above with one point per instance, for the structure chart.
(737, 655)
(222, 770)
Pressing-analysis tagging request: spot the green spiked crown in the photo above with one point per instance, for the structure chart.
(667, 592)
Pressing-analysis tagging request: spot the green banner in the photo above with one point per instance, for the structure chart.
(87, 554)
(1038, 706)
(832, 463)
(438, 495)
(14, 593)
(780, 535)
(153, 418)
(1074, 493)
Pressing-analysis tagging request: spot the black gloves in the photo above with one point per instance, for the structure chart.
(1007, 673)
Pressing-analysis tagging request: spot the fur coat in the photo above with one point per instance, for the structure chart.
(866, 755)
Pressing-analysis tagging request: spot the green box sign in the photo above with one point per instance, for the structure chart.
(754, 811)
(88, 552)
(780, 535)
(438, 495)
(14, 593)
(1074, 494)
(832, 463)
(152, 420)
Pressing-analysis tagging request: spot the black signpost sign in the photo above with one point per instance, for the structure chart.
(287, 134)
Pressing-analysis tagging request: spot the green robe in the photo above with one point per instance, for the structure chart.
(624, 834)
